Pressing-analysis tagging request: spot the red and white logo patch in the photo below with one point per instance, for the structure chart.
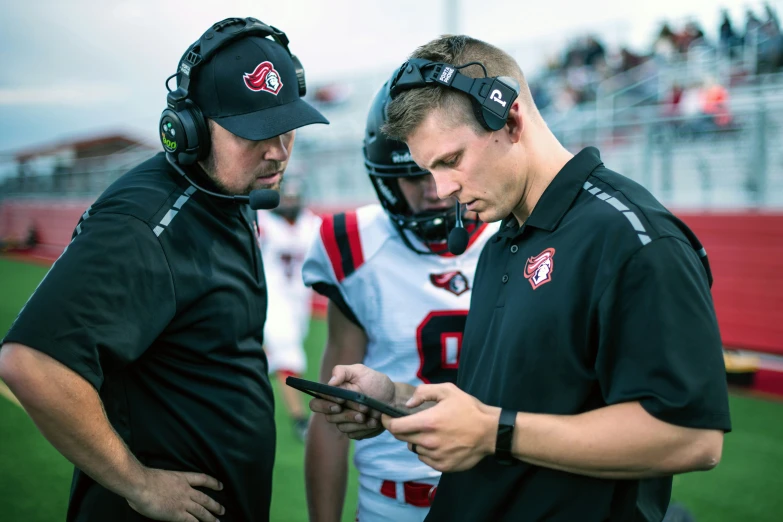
(538, 269)
(455, 282)
(264, 78)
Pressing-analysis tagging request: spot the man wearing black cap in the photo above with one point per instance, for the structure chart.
(140, 354)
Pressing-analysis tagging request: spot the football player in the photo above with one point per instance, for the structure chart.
(285, 234)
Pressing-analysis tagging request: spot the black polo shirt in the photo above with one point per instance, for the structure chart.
(159, 302)
(601, 297)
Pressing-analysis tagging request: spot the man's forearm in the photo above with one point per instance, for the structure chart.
(326, 470)
(69, 413)
(620, 441)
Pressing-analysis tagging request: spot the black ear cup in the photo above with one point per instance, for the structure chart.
(184, 134)
(300, 76)
(172, 133)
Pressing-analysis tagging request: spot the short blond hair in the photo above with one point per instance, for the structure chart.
(406, 112)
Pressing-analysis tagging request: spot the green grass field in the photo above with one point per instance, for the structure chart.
(35, 479)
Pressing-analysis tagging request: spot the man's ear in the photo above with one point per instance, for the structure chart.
(515, 123)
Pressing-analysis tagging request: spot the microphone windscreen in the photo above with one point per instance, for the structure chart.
(264, 199)
(458, 240)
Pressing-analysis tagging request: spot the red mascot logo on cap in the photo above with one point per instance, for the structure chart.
(538, 269)
(455, 282)
(264, 78)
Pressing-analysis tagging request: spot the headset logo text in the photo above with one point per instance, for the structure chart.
(170, 144)
(446, 75)
(401, 157)
(497, 96)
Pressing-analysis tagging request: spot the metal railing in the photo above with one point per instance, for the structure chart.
(693, 162)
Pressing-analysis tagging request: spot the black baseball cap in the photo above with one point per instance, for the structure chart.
(250, 88)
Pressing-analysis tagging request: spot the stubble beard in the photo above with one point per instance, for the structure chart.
(211, 169)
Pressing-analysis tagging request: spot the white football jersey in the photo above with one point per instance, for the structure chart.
(284, 246)
(412, 307)
(283, 249)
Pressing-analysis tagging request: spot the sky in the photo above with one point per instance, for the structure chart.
(80, 68)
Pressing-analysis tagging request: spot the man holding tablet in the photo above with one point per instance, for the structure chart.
(591, 369)
(397, 302)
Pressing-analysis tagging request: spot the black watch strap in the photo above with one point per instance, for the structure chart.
(505, 436)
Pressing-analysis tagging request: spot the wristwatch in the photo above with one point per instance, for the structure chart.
(505, 437)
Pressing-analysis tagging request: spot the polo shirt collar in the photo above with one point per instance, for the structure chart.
(559, 195)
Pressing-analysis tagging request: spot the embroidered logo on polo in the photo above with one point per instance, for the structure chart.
(538, 269)
(455, 282)
(264, 78)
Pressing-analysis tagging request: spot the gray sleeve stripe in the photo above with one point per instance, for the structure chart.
(181, 201)
(79, 225)
(168, 217)
(171, 213)
(629, 214)
(702, 253)
(616, 204)
(637, 225)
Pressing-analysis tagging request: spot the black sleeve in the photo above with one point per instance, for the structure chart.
(659, 342)
(103, 302)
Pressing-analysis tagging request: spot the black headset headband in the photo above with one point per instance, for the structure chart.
(491, 97)
(215, 38)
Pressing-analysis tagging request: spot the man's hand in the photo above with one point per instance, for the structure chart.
(453, 435)
(170, 495)
(356, 420)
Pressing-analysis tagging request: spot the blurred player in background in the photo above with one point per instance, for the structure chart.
(284, 235)
(397, 302)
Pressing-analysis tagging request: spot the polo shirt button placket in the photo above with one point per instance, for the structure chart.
(505, 278)
(514, 249)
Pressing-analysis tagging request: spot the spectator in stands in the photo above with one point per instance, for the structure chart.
(715, 104)
(694, 121)
(772, 17)
(728, 38)
(629, 60)
(671, 104)
(692, 36)
(770, 47)
(594, 52)
(665, 45)
(752, 28)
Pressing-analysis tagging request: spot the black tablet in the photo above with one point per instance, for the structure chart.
(316, 389)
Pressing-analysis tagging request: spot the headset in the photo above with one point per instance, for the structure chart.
(182, 117)
(491, 96)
